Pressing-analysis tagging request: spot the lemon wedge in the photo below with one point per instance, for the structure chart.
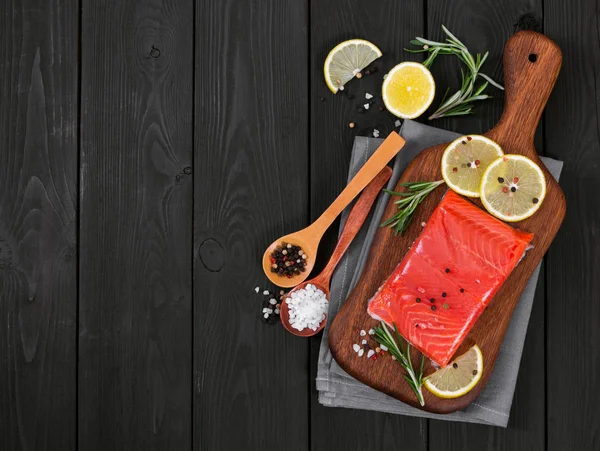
(346, 60)
(459, 377)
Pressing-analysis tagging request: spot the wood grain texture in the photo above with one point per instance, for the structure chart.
(390, 25)
(38, 198)
(528, 86)
(136, 226)
(485, 26)
(251, 160)
(573, 264)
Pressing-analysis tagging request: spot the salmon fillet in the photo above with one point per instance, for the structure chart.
(448, 277)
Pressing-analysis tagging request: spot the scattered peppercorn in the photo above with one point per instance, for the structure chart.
(455, 365)
(462, 290)
(367, 72)
(469, 138)
(474, 372)
(447, 270)
(444, 294)
(464, 142)
(418, 299)
(500, 180)
(513, 189)
(358, 75)
(351, 125)
(535, 200)
(432, 300)
(433, 307)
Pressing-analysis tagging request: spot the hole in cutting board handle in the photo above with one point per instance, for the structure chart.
(532, 57)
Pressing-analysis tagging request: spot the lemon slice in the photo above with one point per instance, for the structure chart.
(459, 377)
(408, 90)
(513, 188)
(465, 161)
(346, 60)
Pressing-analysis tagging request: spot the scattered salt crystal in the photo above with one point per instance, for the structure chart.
(256, 289)
(370, 353)
(307, 307)
(385, 76)
(368, 96)
(371, 331)
(363, 333)
(265, 310)
(361, 352)
(341, 88)
(272, 301)
(355, 347)
(383, 347)
(366, 105)
(266, 292)
(277, 311)
(364, 342)
(376, 133)
(269, 311)
(266, 315)
(398, 123)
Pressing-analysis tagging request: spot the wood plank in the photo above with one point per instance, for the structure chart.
(136, 225)
(485, 26)
(38, 203)
(573, 290)
(251, 186)
(390, 25)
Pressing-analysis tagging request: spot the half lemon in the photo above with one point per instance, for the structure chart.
(465, 160)
(513, 188)
(408, 90)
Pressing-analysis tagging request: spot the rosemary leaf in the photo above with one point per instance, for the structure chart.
(461, 102)
(402, 355)
(408, 203)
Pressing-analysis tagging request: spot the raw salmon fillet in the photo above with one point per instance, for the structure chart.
(448, 277)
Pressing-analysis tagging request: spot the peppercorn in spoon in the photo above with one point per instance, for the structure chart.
(289, 272)
(355, 220)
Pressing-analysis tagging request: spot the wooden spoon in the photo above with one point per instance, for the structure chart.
(308, 239)
(355, 220)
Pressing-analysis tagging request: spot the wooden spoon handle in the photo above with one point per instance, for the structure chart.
(388, 149)
(355, 220)
(531, 66)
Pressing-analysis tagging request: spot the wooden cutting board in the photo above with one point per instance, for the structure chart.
(531, 66)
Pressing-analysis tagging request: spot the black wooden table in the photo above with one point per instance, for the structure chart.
(151, 149)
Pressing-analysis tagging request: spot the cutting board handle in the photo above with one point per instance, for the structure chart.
(531, 66)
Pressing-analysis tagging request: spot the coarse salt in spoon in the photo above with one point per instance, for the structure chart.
(355, 220)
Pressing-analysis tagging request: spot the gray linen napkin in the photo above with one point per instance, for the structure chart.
(338, 389)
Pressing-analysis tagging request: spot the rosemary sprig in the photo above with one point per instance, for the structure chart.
(402, 354)
(410, 200)
(461, 102)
